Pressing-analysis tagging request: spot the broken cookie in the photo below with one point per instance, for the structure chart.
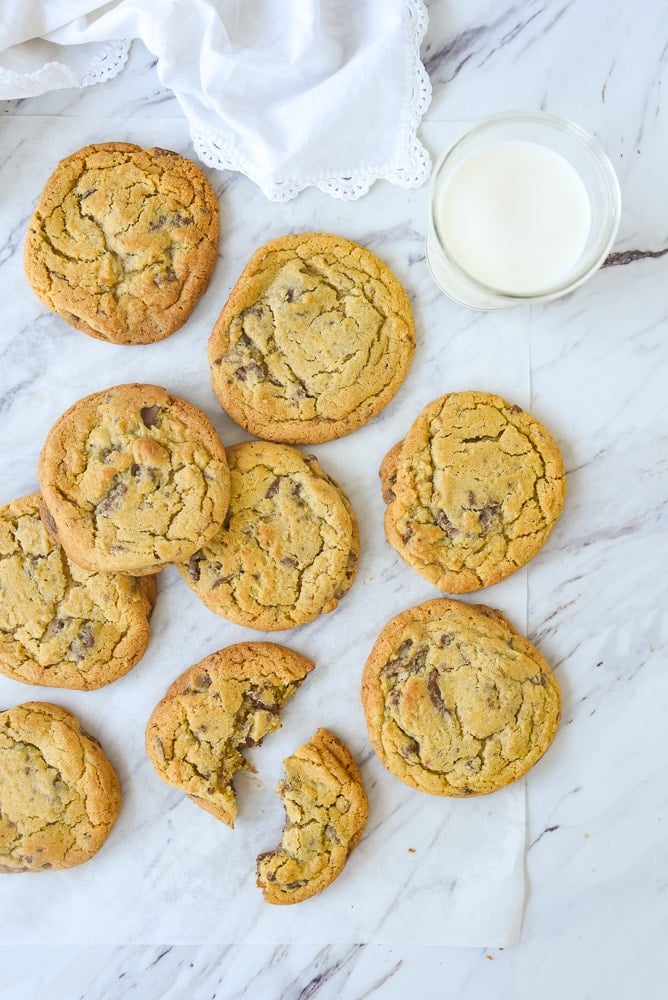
(221, 706)
(326, 811)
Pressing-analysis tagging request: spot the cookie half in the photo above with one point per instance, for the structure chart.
(59, 795)
(123, 241)
(133, 478)
(473, 491)
(456, 701)
(225, 703)
(314, 340)
(326, 810)
(60, 625)
(289, 548)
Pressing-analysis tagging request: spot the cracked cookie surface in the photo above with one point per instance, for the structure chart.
(227, 702)
(59, 794)
(60, 625)
(326, 811)
(473, 491)
(133, 478)
(456, 701)
(314, 340)
(123, 241)
(289, 548)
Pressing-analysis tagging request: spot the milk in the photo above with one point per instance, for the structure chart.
(515, 216)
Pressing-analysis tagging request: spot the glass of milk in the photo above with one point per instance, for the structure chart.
(523, 208)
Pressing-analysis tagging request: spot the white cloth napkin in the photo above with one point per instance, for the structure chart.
(292, 93)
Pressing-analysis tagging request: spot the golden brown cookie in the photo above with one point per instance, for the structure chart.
(61, 625)
(289, 548)
(123, 241)
(59, 795)
(326, 811)
(315, 339)
(227, 702)
(133, 478)
(456, 701)
(473, 491)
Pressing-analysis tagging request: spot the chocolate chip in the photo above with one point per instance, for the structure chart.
(515, 408)
(403, 649)
(490, 508)
(156, 224)
(273, 489)
(193, 565)
(244, 371)
(253, 697)
(290, 295)
(114, 494)
(302, 391)
(435, 696)
(410, 749)
(149, 415)
(445, 639)
(445, 524)
(86, 635)
(48, 518)
(203, 681)
(417, 662)
(289, 561)
(408, 533)
(472, 502)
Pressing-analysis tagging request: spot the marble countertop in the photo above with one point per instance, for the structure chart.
(593, 367)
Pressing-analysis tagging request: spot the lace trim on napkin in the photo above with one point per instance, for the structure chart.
(109, 66)
(109, 60)
(413, 170)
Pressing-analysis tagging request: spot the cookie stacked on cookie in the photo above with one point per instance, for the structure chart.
(61, 625)
(289, 547)
(133, 478)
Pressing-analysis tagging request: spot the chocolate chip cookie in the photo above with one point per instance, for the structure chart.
(456, 701)
(59, 795)
(123, 241)
(225, 703)
(60, 625)
(133, 478)
(473, 491)
(326, 811)
(315, 339)
(289, 547)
